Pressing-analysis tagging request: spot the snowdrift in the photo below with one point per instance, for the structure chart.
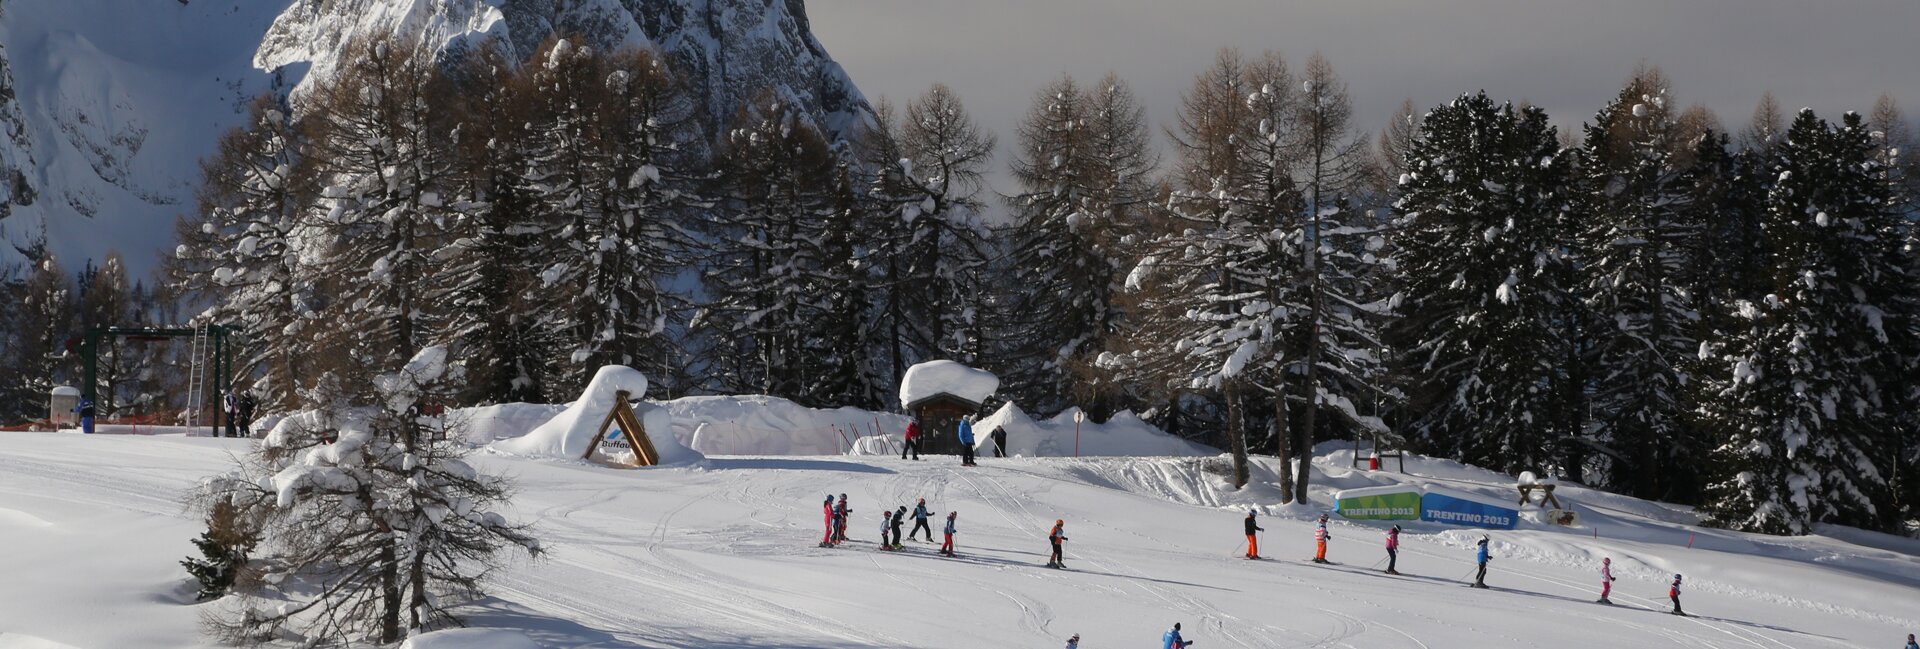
(569, 434)
(1122, 435)
(934, 377)
(764, 425)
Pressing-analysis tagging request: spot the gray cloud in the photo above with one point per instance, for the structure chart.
(1568, 56)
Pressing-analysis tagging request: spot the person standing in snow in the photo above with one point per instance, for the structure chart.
(826, 509)
(966, 441)
(912, 440)
(1606, 580)
(230, 404)
(86, 412)
(840, 512)
(1673, 593)
(1074, 642)
(1910, 643)
(920, 515)
(999, 441)
(247, 406)
(1393, 549)
(886, 523)
(899, 519)
(1320, 537)
(1481, 557)
(947, 548)
(1253, 538)
(1055, 538)
(1172, 639)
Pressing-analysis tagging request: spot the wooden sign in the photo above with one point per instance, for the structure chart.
(631, 431)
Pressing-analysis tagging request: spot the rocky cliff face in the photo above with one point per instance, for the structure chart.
(729, 50)
(106, 106)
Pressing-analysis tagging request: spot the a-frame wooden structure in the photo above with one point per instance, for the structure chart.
(631, 429)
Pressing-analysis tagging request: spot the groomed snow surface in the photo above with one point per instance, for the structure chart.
(723, 554)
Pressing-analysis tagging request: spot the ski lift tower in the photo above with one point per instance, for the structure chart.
(211, 344)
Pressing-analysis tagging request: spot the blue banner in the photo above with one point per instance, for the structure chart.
(1443, 508)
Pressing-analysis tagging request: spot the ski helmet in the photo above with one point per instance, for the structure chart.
(1323, 518)
(1396, 528)
(1058, 521)
(1676, 576)
(843, 496)
(1607, 560)
(923, 501)
(1176, 626)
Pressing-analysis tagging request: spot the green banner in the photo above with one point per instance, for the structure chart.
(1403, 506)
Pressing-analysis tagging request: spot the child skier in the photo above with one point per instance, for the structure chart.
(912, 440)
(1320, 537)
(86, 412)
(1074, 642)
(947, 548)
(1673, 593)
(899, 519)
(1606, 580)
(1253, 539)
(1172, 639)
(966, 441)
(826, 509)
(1910, 643)
(886, 523)
(1393, 549)
(920, 515)
(1055, 538)
(1482, 557)
(840, 512)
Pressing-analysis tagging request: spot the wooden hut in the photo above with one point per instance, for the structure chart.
(938, 394)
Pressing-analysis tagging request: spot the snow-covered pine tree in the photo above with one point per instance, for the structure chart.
(605, 180)
(382, 138)
(375, 526)
(1631, 200)
(493, 315)
(1218, 289)
(1480, 243)
(1058, 294)
(1337, 353)
(36, 332)
(1804, 394)
(240, 249)
(764, 276)
(923, 173)
(1120, 193)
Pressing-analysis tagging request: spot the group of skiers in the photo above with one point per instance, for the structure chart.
(914, 435)
(1481, 557)
(836, 514)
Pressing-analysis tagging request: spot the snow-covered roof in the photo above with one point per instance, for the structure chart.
(932, 378)
(66, 391)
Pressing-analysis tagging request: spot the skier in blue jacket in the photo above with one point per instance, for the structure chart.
(1481, 557)
(966, 441)
(1172, 639)
(1910, 643)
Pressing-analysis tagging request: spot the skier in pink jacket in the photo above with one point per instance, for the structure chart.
(1393, 549)
(1606, 580)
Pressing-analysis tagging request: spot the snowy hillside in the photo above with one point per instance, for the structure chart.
(107, 106)
(724, 555)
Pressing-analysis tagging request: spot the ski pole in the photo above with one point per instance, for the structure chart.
(1376, 564)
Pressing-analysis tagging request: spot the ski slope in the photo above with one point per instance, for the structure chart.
(724, 555)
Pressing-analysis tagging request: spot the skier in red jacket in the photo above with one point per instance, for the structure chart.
(912, 444)
(826, 509)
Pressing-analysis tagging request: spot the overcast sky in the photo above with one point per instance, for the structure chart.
(1567, 56)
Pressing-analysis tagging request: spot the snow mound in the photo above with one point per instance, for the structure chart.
(1122, 435)
(471, 639)
(934, 377)
(569, 434)
(765, 425)
(20, 641)
(483, 425)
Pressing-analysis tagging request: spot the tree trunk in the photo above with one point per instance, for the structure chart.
(417, 584)
(1283, 440)
(1236, 434)
(389, 593)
